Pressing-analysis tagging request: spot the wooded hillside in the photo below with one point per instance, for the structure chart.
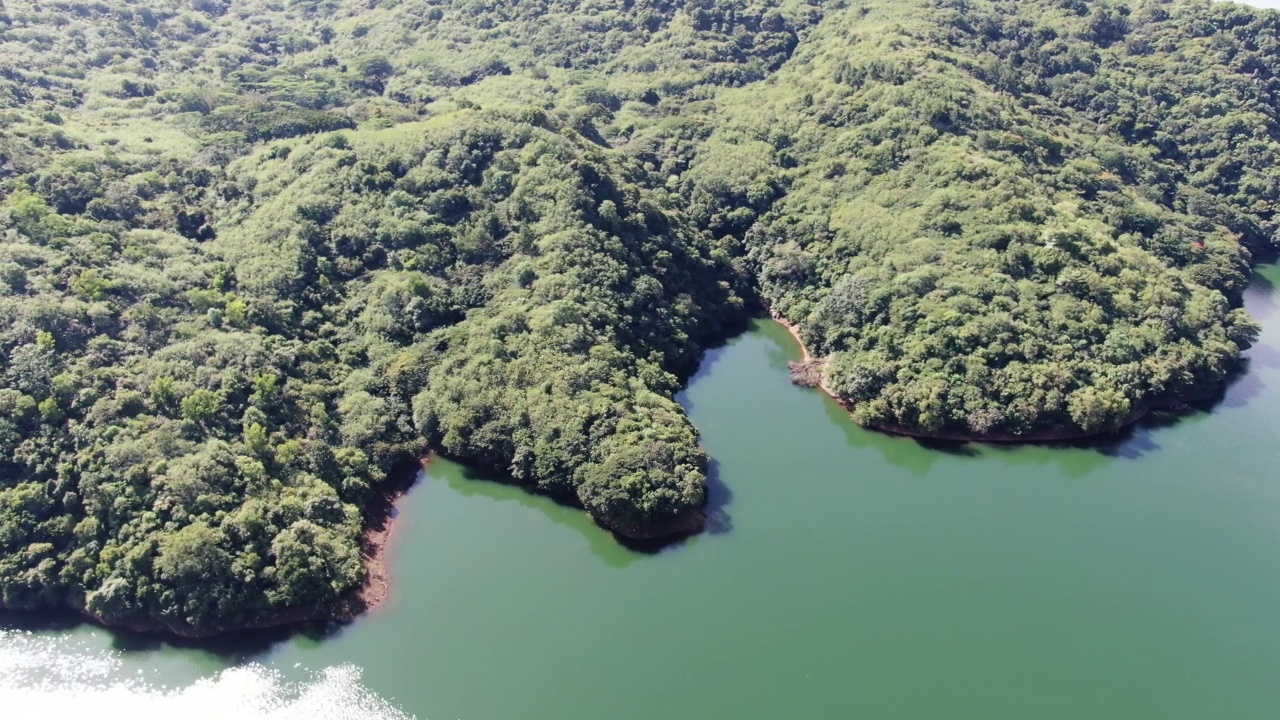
(256, 255)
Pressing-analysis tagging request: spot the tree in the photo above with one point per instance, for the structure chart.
(374, 72)
(230, 310)
(201, 406)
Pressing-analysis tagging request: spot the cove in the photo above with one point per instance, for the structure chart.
(844, 573)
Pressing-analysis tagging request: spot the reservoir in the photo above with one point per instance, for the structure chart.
(844, 573)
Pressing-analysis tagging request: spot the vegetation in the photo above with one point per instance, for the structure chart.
(256, 255)
(1031, 219)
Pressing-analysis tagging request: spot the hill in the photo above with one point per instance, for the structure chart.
(256, 256)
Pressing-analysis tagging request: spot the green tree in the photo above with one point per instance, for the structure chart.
(201, 406)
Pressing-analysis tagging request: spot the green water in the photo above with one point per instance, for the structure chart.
(846, 574)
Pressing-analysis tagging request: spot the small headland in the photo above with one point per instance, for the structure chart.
(808, 372)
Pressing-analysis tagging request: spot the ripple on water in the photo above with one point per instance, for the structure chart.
(48, 677)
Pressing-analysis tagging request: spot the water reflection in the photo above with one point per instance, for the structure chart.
(1260, 297)
(719, 496)
(710, 358)
(469, 482)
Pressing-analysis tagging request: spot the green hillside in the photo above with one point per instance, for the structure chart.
(256, 256)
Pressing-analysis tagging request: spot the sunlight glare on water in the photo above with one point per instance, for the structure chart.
(44, 677)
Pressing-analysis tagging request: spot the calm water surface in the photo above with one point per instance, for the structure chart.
(846, 574)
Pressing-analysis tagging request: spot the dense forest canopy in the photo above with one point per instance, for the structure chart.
(256, 255)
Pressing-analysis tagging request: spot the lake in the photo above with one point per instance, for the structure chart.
(844, 573)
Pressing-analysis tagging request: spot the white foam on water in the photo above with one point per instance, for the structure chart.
(50, 677)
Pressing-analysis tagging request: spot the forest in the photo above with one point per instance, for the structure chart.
(259, 256)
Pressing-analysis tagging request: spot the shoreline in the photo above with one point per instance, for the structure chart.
(376, 537)
(1056, 435)
(661, 534)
